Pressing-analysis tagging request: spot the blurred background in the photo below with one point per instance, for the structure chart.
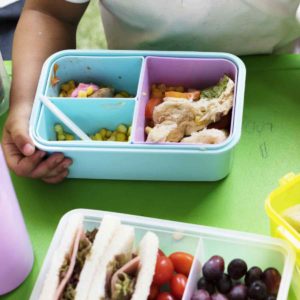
(90, 34)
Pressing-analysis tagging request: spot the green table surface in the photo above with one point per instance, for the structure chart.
(269, 148)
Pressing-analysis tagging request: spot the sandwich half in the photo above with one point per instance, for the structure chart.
(117, 255)
(73, 252)
(131, 277)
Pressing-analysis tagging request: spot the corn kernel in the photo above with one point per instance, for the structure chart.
(156, 93)
(89, 91)
(108, 133)
(69, 94)
(69, 137)
(65, 87)
(124, 94)
(82, 94)
(98, 136)
(179, 89)
(72, 84)
(129, 130)
(121, 128)
(162, 87)
(58, 128)
(119, 95)
(103, 132)
(61, 137)
(170, 88)
(112, 138)
(121, 137)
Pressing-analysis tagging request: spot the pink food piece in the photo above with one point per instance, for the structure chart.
(68, 275)
(129, 268)
(84, 87)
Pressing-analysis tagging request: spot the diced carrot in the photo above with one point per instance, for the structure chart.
(150, 107)
(192, 95)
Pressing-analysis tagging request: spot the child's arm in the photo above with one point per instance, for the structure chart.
(44, 27)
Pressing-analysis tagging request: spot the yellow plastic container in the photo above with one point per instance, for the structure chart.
(283, 197)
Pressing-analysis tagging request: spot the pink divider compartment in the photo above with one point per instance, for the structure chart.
(188, 72)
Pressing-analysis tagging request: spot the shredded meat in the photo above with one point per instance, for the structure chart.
(175, 117)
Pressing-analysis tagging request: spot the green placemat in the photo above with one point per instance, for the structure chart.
(269, 148)
(7, 65)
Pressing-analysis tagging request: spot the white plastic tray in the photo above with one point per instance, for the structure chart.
(200, 241)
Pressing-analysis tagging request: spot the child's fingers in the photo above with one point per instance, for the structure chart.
(19, 135)
(62, 167)
(57, 178)
(16, 161)
(47, 166)
(27, 164)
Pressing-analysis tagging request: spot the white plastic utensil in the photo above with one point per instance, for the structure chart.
(65, 119)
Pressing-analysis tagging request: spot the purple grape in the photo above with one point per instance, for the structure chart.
(271, 277)
(258, 290)
(204, 284)
(253, 274)
(238, 292)
(271, 297)
(224, 284)
(201, 295)
(213, 268)
(237, 269)
(236, 282)
(218, 296)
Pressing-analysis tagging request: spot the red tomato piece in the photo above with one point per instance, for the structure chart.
(164, 270)
(154, 291)
(150, 107)
(177, 285)
(161, 253)
(165, 296)
(182, 262)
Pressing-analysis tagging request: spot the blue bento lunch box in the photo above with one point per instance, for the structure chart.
(134, 71)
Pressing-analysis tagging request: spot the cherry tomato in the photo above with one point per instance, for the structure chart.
(161, 253)
(165, 296)
(164, 270)
(182, 262)
(150, 107)
(154, 291)
(177, 285)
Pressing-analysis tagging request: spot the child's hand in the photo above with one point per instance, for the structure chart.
(22, 156)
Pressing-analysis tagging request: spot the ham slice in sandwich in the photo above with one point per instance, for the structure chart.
(71, 268)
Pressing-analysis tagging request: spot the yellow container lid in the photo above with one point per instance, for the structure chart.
(282, 198)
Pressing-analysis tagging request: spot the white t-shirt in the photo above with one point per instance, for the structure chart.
(236, 26)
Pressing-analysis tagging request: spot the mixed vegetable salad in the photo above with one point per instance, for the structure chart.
(89, 90)
(120, 134)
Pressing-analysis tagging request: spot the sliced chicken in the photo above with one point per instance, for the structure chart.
(167, 131)
(195, 115)
(206, 136)
(103, 93)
